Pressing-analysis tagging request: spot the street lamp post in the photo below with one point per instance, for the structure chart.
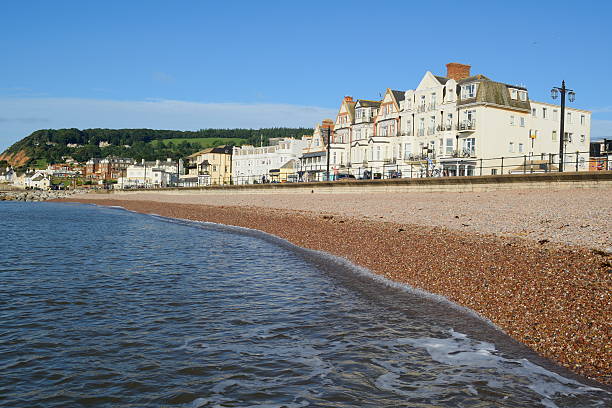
(328, 150)
(554, 93)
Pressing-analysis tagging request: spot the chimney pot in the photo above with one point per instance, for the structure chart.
(348, 98)
(457, 71)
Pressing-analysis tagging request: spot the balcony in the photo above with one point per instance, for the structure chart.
(432, 106)
(421, 132)
(431, 130)
(443, 128)
(467, 125)
(421, 108)
(464, 153)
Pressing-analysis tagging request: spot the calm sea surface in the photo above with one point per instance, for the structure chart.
(100, 307)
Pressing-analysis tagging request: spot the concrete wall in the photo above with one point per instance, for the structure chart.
(450, 184)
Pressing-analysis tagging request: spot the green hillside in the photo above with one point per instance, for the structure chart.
(204, 142)
(51, 145)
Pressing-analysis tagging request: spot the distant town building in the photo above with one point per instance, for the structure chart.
(213, 165)
(151, 174)
(600, 155)
(252, 165)
(7, 175)
(313, 162)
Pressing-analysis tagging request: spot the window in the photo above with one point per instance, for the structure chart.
(569, 117)
(582, 119)
(511, 147)
(513, 94)
(511, 120)
(544, 113)
(440, 146)
(521, 148)
(449, 146)
(432, 101)
(523, 95)
(555, 114)
(522, 121)
(407, 150)
(554, 135)
(533, 112)
(449, 121)
(469, 145)
(568, 137)
(468, 91)
(493, 172)
(582, 138)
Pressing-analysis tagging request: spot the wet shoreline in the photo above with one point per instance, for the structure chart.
(554, 306)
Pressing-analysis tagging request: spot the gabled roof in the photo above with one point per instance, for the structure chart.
(398, 95)
(365, 103)
(442, 80)
(350, 108)
(219, 150)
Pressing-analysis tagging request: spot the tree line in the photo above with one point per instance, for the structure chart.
(52, 144)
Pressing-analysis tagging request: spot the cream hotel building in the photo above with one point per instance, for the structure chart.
(457, 124)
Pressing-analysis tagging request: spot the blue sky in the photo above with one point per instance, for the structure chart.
(198, 64)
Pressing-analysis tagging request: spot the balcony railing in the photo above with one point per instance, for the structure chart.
(421, 108)
(431, 130)
(464, 153)
(421, 132)
(432, 106)
(442, 128)
(467, 125)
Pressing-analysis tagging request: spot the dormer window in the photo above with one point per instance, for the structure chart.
(513, 93)
(523, 95)
(468, 91)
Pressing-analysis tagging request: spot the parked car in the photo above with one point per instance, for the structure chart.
(344, 176)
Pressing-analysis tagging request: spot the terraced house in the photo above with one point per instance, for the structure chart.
(457, 124)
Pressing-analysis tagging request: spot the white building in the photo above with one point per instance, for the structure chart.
(38, 181)
(263, 164)
(313, 162)
(365, 113)
(7, 175)
(153, 174)
(461, 124)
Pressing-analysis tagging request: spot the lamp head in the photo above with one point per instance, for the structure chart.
(554, 93)
(572, 96)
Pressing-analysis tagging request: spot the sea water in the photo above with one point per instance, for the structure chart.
(102, 307)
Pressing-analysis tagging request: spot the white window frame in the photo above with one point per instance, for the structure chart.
(469, 91)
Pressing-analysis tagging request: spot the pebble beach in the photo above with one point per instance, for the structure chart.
(538, 264)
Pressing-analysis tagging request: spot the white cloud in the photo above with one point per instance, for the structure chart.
(21, 116)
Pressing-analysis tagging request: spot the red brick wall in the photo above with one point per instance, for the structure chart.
(457, 71)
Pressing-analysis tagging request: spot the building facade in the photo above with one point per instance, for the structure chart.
(455, 125)
(213, 165)
(252, 165)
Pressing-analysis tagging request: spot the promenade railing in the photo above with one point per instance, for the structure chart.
(451, 164)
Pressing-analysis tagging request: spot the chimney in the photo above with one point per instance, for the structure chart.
(457, 71)
(348, 98)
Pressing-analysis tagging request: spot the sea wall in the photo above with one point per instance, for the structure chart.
(35, 195)
(432, 184)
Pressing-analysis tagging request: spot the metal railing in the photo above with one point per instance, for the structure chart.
(459, 163)
(467, 125)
